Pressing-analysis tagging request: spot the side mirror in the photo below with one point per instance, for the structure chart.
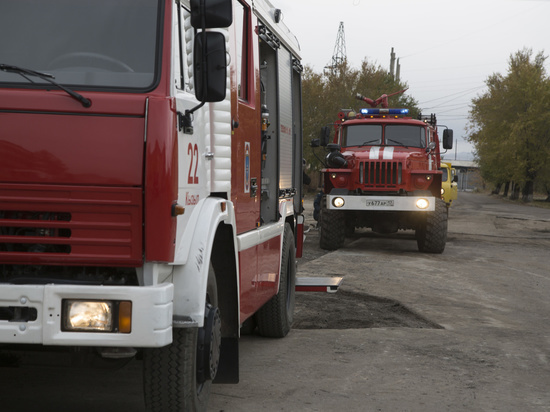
(325, 136)
(455, 178)
(447, 139)
(216, 13)
(210, 68)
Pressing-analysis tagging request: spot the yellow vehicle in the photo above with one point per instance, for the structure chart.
(449, 185)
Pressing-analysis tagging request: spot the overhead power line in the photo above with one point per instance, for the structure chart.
(461, 93)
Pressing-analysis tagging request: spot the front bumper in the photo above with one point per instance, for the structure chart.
(381, 203)
(152, 314)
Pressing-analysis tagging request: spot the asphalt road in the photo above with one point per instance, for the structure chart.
(488, 295)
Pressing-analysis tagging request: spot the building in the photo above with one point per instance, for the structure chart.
(469, 176)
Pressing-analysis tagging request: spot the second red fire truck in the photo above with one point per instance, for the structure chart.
(382, 172)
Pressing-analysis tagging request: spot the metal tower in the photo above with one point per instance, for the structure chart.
(339, 54)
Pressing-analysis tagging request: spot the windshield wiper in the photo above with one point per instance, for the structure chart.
(396, 142)
(47, 77)
(369, 141)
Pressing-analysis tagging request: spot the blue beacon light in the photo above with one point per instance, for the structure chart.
(384, 111)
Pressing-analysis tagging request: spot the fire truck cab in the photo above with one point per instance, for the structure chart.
(150, 183)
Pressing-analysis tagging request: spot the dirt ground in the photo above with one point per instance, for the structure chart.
(352, 310)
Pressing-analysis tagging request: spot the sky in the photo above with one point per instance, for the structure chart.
(446, 48)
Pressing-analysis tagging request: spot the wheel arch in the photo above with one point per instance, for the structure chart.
(213, 241)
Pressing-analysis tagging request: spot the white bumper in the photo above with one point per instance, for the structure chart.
(151, 315)
(383, 203)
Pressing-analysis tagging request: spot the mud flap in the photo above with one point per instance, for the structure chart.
(228, 370)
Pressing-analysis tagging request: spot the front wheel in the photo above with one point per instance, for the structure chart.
(431, 235)
(178, 377)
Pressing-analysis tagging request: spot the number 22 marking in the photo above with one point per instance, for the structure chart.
(193, 151)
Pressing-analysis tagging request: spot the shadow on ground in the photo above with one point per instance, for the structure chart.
(351, 310)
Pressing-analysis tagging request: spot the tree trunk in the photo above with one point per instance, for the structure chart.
(496, 190)
(515, 191)
(506, 188)
(527, 192)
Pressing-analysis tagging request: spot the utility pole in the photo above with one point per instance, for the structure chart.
(456, 147)
(392, 62)
(395, 69)
(339, 54)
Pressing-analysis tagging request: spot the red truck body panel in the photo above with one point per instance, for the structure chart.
(43, 147)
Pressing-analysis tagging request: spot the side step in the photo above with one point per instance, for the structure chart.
(318, 284)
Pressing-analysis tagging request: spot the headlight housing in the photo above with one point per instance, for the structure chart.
(339, 179)
(97, 316)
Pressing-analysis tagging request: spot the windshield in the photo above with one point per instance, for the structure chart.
(444, 177)
(87, 43)
(405, 135)
(362, 135)
(394, 135)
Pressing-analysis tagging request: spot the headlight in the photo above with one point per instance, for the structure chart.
(442, 191)
(97, 316)
(422, 203)
(338, 202)
(88, 316)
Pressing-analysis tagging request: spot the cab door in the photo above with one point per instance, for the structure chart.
(245, 120)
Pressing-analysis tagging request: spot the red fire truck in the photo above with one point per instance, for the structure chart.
(382, 172)
(150, 183)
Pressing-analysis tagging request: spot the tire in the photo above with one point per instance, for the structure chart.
(172, 377)
(431, 236)
(332, 224)
(275, 318)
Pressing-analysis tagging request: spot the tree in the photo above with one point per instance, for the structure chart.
(510, 123)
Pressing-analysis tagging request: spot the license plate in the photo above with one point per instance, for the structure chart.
(379, 203)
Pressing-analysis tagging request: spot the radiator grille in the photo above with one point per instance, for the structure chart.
(34, 232)
(380, 174)
(70, 225)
